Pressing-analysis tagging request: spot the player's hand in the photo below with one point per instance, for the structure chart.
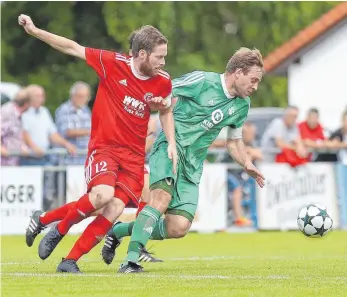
(158, 103)
(172, 154)
(252, 171)
(27, 23)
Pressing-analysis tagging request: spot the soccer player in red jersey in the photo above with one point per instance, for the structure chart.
(40, 220)
(128, 89)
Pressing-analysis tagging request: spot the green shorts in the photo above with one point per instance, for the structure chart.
(185, 193)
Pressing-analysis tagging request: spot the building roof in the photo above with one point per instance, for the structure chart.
(279, 60)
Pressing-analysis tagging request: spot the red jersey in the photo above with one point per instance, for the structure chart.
(121, 112)
(313, 134)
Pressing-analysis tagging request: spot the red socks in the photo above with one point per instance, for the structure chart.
(56, 214)
(93, 234)
(82, 209)
(141, 206)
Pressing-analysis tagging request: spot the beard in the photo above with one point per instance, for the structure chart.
(146, 68)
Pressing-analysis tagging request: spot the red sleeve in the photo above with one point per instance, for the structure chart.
(100, 60)
(167, 89)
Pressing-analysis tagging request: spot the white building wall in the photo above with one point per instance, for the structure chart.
(320, 79)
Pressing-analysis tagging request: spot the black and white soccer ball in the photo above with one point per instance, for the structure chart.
(314, 220)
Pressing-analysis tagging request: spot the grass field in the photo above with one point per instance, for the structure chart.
(254, 264)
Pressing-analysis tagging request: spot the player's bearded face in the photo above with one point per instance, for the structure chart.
(247, 83)
(154, 61)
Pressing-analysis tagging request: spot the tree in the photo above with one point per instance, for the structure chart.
(202, 35)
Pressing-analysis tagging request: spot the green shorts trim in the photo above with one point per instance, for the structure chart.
(166, 184)
(181, 212)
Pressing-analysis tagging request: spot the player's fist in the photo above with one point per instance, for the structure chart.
(27, 23)
(158, 103)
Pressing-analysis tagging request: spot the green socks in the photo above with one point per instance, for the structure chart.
(142, 231)
(159, 232)
(123, 229)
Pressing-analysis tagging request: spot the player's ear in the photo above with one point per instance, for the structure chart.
(142, 54)
(238, 72)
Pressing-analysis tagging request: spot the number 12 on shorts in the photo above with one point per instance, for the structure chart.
(98, 167)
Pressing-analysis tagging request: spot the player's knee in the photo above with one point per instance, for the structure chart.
(101, 195)
(160, 200)
(177, 226)
(113, 209)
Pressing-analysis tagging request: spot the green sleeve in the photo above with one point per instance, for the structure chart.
(188, 85)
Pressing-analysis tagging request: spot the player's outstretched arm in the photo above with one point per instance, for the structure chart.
(237, 151)
(60, 43)
(168, 125)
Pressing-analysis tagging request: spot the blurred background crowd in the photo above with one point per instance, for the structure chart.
(47, 97)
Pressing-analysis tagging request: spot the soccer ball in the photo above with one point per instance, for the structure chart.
(314, 220)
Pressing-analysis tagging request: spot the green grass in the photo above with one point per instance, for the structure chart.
(255, 264)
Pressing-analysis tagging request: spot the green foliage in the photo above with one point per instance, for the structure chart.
(202, 35)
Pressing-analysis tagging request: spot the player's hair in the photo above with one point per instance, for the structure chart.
(147, 38)
(245, 58)
(131, 38)
(313, 110)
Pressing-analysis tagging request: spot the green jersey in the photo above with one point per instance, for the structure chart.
(203, 109)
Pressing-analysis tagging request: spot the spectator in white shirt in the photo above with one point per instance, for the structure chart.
(283, 133)
(39, 128)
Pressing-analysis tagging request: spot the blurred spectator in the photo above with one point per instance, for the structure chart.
(73, 119)
(312, 133)
(39, 128)
(339, 139)
(249, 132)
(235, 195)
(281, 141)
(12, 129)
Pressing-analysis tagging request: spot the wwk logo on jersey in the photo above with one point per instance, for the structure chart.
(134, 106)
(216, 117)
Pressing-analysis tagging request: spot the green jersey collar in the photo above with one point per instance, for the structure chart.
(226, 92)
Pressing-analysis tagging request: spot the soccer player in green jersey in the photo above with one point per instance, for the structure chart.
(207, 102)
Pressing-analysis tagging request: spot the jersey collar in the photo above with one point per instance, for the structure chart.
(226, 92)
(133, 70)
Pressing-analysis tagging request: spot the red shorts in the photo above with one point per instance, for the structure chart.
(119, 169)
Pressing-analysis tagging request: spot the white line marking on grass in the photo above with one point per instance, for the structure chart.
(20, 263)
(211, 258)
(144, 275)
(163, 276)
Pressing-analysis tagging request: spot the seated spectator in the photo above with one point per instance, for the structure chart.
(249, 132)
(281, 141)
(235, 195)
(12, 129)
(73, 120)
(39, 128)
(339, 139)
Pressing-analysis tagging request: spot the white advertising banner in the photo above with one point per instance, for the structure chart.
(21, 194)
(288, 189)
(76, 187)
(212, 209)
